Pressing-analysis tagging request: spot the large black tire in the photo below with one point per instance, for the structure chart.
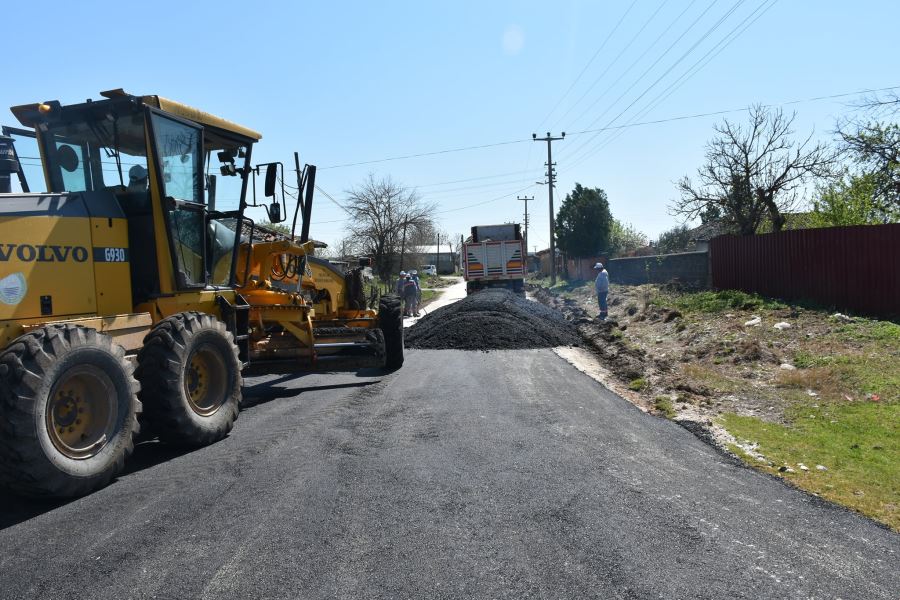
(68, 411)
(190, 378)
(390, 321)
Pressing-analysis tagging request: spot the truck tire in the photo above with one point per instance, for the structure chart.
(68, 411)
(190, 378)
(390, 321)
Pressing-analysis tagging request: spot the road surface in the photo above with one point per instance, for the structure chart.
(448, 295)
(463, 475)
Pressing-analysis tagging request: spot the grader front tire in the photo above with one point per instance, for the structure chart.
(190, 378)
(68, 411)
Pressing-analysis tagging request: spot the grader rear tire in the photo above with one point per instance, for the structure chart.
(190, 378)
(68, 411)
(390, 321)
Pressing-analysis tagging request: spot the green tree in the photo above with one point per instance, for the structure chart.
(873, 143)
(852, 200)
(584, 222)
(677, 239)
(624, 238)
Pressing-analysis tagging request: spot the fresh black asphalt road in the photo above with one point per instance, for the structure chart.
(506, 474)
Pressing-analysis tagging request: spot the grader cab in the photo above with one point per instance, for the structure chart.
(123, 289)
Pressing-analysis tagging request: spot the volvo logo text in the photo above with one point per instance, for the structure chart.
(29, 253)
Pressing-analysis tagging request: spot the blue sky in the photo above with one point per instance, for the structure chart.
(361, 81)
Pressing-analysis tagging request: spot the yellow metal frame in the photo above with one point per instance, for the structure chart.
(128, 330)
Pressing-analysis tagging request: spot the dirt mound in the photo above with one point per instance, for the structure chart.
(492, 320)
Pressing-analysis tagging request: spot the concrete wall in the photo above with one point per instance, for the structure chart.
(583, 268)
(688, 268)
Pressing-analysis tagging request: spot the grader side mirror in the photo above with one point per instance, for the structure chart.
(271, 175)
(274, 211)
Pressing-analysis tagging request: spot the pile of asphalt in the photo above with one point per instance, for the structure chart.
(492, 319)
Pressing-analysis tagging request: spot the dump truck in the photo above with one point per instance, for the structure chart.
(494, 256)
(127, 299)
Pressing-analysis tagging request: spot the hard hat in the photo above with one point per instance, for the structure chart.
(598, 266)
(402, 273)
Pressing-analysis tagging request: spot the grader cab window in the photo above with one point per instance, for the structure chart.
(179, 156)
(91, 153)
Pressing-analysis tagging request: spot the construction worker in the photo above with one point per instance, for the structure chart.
(601, 286)
(400, 282)
(410, 298)
(415, 277)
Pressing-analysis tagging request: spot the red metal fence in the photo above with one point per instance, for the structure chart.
(850, 268)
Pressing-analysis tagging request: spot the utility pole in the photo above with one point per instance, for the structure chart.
(526, 199)
(403, 246)
(551, 175)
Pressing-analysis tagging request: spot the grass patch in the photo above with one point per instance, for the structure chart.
(868, 330)
(858, 443)
(428, 296)
(712, 379)
(664, 406)
(871, 371)
(714, 302)
(637, 384)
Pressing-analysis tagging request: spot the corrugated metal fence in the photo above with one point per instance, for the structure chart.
(851, 268)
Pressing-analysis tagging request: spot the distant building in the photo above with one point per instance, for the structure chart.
(546, 265)
(442, 257)
(702, 234)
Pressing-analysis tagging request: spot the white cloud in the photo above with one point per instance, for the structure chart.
(513, 40)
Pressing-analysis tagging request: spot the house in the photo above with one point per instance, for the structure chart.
(702, 234)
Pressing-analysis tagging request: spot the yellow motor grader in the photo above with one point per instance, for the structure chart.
(123, 289)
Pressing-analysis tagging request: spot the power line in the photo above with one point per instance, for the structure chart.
(421, 154)
(516, 181)
(693, 70)
(528, 187)
(473, 178)
(641, 57)
(329, 196)
(708, 32)
(718, 47)
(596, 54)
(610, 65)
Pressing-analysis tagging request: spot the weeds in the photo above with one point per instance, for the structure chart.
(663, 405)
(720, 301)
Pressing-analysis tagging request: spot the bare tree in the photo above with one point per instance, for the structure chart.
(753, 172)
(346, 247)
(385, 217)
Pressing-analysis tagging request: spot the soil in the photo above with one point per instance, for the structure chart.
(494, 319)
(701, 364)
